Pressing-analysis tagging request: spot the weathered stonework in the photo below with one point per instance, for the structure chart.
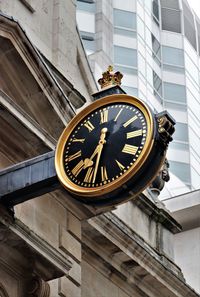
(51, 245)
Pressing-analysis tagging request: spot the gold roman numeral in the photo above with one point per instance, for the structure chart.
(72, 157)
(134, 133)
(78, 140)
(104, 116)
(104, 175)
(130, 149)
(130, 121)
(89, 126)
(121, 167)
(89, 175)
(115, 120)
(77, 169)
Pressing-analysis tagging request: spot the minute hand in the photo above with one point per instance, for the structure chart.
(102, 141)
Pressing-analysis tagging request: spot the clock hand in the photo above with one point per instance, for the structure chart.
(102, 141)
(88, 161)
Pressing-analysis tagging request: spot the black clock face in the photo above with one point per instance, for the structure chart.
(104, 145)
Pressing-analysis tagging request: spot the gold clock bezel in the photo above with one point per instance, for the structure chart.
(90, 192)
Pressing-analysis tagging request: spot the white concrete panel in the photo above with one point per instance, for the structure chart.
(125, 41)
(187, 256)
(190, 51)
(156, 31)
(154, 102)
(141, 49)
(130, 80)
(88, 26)
(156, 68)
(142, 87)
(172, 39)
(180, 116)
(173, 77)
(140, 11)
(129, 5)
(184, 201)
(178, 155)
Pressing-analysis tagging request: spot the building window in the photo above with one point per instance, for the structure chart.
(181, 132)
(88, 42)
(181, 170)
(130, 90)
(198, 33)
(179, 145)
(155, 11)
(173, 59)
(124, 19)
(124, 23)
(157, 85)
(174, 92)
(172, 56)
(125, 56)
(171, 16)
(156, 49)
(189, 26)
(87, 5)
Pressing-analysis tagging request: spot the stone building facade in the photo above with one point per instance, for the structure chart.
(52, 245)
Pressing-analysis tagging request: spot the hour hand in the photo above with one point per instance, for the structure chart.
(88, 161)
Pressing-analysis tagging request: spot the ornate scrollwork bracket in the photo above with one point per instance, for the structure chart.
(166, 128)
(38, 288)
(163, 176)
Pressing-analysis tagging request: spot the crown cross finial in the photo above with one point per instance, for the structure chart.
(109, 78)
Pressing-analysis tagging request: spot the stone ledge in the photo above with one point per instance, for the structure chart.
(158, 213)
(48, 263)
(142, 265)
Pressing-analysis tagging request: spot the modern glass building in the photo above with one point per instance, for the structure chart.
(156, 45)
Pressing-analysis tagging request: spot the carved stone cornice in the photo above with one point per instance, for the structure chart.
(120, 249)
(38, 288)
(46, 261)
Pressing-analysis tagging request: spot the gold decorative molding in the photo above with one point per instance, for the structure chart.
(165, 127)
(109, 78)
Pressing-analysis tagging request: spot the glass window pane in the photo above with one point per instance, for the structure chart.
(173, 56)
(125, 32)
(130, 90)
(179, 145)
(171, 20)
(124, 19)
(157, 83)
(170, 4)
(86, 6)
(156, 49)
(189, 27)
(155, 8)
(174, 92)
(173, 68)
(89, 46)
(175, 106)
(182, 170)
(181, 132)
(127, 70)
(125, 56)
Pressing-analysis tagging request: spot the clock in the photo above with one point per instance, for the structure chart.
(109, 150)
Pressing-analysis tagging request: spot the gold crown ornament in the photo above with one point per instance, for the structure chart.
(109, 78)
